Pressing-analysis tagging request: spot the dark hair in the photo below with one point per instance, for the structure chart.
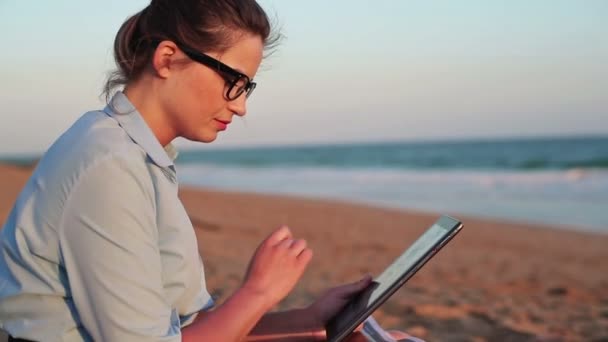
(205, 25)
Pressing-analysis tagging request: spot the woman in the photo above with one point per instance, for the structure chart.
(98, 245)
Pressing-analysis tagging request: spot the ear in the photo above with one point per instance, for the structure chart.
(164, 57)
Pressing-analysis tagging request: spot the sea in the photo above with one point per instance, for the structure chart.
(560, 182)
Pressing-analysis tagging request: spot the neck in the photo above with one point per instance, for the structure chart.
(145, 97)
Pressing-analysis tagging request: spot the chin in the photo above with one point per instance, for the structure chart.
(205, 137)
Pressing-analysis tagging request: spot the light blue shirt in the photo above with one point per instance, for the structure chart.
(98, 245)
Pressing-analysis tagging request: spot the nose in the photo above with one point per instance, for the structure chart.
(239, 105)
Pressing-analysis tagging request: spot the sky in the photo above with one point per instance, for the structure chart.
(348, 70)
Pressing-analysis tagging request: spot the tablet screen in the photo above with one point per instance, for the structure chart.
(401, 269)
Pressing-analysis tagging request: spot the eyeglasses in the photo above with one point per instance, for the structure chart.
(237, 83)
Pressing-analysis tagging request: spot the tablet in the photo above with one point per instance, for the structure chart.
(383, 286)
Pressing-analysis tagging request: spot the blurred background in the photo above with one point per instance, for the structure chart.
(495, 109)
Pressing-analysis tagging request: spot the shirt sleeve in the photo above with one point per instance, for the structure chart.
(109, 246)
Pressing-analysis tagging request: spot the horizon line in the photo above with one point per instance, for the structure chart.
(23, 157)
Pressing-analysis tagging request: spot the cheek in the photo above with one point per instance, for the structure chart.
(200, 96)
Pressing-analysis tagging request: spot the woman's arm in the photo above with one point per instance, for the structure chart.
(227, 323)
(293, 325)
(275, 268)
(109, 249)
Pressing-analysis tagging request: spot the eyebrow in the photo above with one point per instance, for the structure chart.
(187, 50)
(219, 58)
(239, 70)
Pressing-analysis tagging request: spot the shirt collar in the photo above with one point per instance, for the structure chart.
(123, 111)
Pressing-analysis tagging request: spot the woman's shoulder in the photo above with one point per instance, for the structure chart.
(94, 139)
(96, 135)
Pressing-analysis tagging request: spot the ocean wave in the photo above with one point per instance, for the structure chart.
(427, 164)
(576, 197)
(558, 154)
(408, 175)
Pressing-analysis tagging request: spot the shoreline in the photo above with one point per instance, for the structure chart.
(589, 230)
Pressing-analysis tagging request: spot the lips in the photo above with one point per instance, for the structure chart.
(223, 124)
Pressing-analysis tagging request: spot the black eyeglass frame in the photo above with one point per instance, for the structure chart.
(224, 70)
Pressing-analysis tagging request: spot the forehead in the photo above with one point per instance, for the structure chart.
(245, 55)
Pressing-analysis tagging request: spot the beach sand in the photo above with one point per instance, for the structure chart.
(497, 281)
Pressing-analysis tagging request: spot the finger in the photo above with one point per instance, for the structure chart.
(279, 235)
(297, 247)
(363, 282)
(398, 335)
(285, 244)
(352, 288)
(359, 284)
(305, 256)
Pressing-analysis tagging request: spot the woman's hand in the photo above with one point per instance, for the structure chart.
(334, 299)
(276, 266)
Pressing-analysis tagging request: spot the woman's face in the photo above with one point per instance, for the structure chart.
(194, 95)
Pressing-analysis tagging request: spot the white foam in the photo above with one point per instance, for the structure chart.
(572, 197)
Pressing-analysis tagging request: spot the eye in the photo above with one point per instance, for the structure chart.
(237, 88)
(241, 82)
